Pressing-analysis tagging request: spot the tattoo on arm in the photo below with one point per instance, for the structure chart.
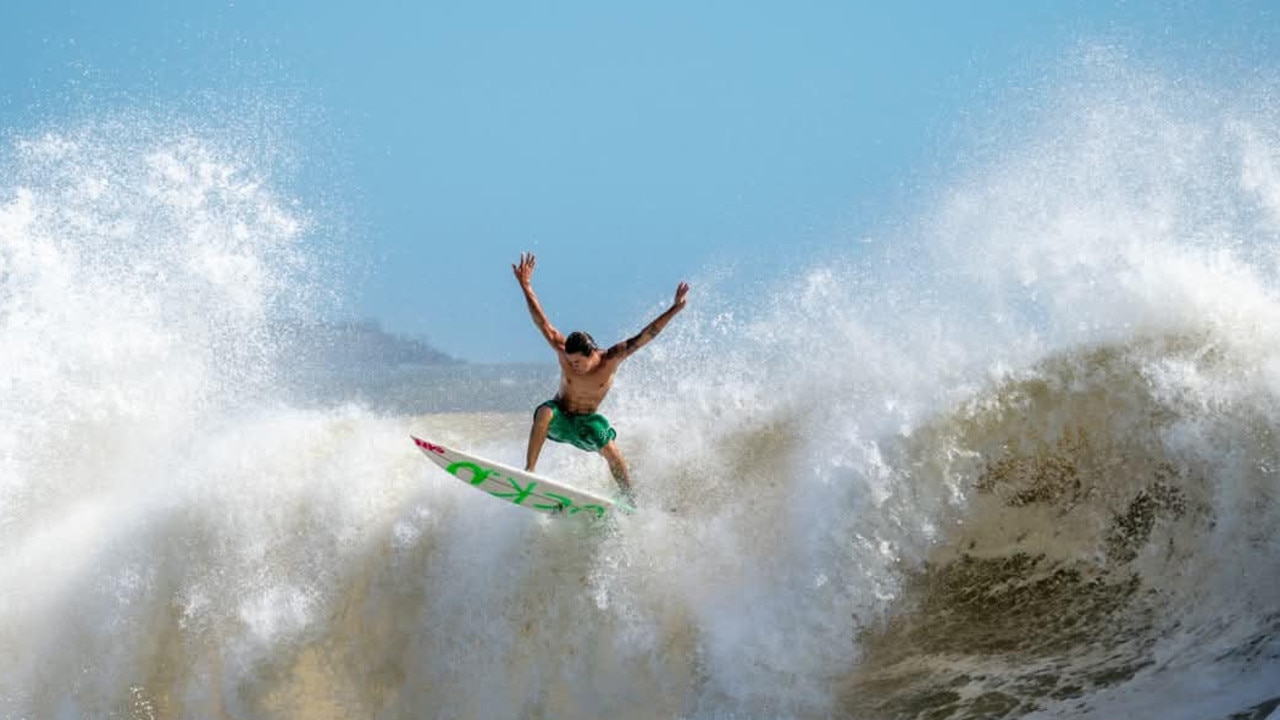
(638, 341)
(650, 332)
(645, 335)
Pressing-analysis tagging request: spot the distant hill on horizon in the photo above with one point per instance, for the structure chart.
(356, 344)
(335, 363)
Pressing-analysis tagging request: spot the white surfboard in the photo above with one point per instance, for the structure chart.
(517, 486)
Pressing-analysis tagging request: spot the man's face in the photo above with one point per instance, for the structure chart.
(581, 363)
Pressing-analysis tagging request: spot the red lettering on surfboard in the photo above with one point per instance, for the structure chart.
(428, 446)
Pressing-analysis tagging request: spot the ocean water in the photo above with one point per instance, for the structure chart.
(1015, 455)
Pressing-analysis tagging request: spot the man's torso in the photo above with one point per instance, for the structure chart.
(582, 394)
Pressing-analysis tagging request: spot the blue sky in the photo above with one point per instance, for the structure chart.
(630, 145)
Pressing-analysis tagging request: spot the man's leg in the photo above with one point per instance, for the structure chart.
(618, 466)
(537, 435)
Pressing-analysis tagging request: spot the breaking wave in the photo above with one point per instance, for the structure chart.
(1014, 457)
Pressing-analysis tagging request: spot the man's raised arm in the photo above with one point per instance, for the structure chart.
(524, 275)
(626, 347)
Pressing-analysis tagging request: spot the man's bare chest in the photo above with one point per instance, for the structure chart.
(591, 384)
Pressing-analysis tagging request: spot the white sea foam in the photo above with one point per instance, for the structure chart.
(1017, 456)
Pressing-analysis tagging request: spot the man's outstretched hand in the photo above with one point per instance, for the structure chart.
(524, 271)
(681, 290)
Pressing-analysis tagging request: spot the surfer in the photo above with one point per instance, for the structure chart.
(586, 374)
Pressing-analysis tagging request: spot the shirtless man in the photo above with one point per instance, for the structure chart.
(586, 374)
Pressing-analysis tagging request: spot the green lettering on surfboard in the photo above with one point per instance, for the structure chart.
(519, 494)
(478, 474)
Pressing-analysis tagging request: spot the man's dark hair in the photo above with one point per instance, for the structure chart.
(579, 343)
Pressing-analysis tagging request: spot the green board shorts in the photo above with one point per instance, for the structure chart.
(589, 432)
